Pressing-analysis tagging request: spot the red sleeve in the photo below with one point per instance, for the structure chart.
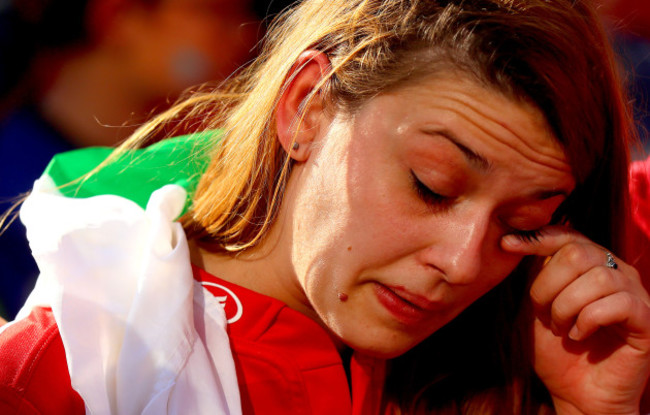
(638, 241)
(34, 376)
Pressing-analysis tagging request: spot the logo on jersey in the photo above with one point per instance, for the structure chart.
(228, 300)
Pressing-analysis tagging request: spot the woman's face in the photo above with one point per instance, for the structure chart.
(400, 209)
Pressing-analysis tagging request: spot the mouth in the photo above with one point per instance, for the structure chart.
(405, 307)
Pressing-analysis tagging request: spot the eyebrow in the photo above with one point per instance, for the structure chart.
(476, 159)
(483, 164)
(547, 194)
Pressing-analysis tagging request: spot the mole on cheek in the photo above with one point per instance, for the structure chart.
(343, 297)
(349, 248)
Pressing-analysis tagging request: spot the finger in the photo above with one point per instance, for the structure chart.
(547, 243)
(597, 283)
(567, 264)
(621, 308)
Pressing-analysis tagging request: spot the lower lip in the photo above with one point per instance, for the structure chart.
(403, 311)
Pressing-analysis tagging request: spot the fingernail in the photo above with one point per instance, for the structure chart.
(574, 333)
(512, 241)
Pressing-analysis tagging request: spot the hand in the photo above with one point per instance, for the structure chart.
(591, 324)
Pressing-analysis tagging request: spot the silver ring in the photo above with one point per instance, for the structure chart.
(610, 261)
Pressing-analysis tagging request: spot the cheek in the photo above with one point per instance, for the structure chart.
(496, 271)
(495, 266)
(321, 226)
(383, 222)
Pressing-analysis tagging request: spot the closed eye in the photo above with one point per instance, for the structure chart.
(527, 236)
(427, 195)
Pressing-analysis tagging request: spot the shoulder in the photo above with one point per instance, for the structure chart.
(34, 375)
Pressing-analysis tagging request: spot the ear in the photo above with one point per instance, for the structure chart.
(298, 116)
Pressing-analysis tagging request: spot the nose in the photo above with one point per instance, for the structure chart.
(461, 250)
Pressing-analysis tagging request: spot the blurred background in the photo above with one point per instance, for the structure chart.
(76, 73)
(628, 22)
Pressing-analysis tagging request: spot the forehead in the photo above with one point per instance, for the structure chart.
(457, 101)
(458, 91)
(489, 130)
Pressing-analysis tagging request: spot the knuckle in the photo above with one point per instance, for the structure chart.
(603, 277)
(573, 253)
(624, 303)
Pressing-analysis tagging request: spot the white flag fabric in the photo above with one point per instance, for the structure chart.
(141, 336)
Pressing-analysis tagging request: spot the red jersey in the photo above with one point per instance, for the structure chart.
(286, 363)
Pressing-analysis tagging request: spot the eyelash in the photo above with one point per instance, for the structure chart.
(527, 236)
(427, 195)
(432, 198)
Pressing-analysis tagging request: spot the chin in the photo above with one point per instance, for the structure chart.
(388, 349)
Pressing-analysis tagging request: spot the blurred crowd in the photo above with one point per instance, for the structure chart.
(628, 22)
(76, 73)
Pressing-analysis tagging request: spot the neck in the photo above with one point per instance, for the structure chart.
(261, 269)
(269, 267)
(263, 274)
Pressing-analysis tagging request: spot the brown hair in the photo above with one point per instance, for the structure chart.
(551, 53)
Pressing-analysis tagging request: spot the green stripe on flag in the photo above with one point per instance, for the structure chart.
(136, 173)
